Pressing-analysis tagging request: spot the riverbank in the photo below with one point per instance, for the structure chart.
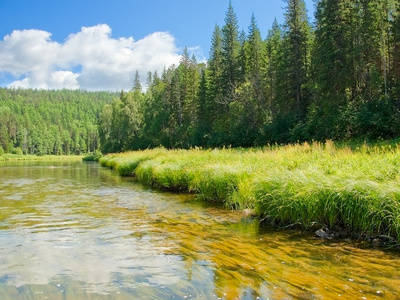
(354, 189)
(18, 157)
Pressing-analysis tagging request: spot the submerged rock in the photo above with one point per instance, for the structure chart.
(325, 233)
(386, 238)
(377, 242)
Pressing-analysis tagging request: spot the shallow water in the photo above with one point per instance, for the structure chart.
(73, 230)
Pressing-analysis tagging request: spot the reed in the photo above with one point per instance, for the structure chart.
(356, 188)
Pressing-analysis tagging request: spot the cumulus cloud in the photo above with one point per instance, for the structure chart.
(89, 59)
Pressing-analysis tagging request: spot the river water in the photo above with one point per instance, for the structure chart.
(73, 230)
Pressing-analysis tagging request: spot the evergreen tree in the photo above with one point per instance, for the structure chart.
(44, 121)
(292, 76)
(352, 59)
(215, 71)
(394, 53)
(105, 129)
(332, 62)
(203, 120)
(136, 83)
(188, 76)
(230, 64)
(247, 112)
(217, 108)
(156, 113)
(254, 65)
(270, 65)
(149, 80)
(250, 91)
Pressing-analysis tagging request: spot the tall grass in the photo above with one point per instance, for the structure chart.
(357, 188)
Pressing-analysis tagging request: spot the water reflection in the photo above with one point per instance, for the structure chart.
(72, 230)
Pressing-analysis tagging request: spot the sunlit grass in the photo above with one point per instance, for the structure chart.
(357, 188)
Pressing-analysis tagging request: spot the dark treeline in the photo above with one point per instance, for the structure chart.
(50, 122)
(336, 79)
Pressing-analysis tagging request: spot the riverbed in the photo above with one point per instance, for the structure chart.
(75, 230)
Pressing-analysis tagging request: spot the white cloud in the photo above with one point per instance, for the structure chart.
(104, 63)
(198, 53)
(24, 83)
(64, 79)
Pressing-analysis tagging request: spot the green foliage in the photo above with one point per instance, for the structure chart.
(121, 122)
(230, 67)
(50, 122)
(353, 60)
(17, 151)
(95, 156)
(338, 80)
(293, 56)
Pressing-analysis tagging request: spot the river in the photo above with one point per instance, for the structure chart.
(73, 230)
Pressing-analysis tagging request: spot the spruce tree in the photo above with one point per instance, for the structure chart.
(294, 58)
(394, 54)
(203, 119)
(270, 65)
(215, 67)
(136, 83)
(332, 66)
(188, 76)
(254, 62)
(230, 64)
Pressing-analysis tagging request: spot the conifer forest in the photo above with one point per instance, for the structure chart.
(336, 77)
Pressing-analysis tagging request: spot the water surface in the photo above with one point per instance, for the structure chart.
(73, 230)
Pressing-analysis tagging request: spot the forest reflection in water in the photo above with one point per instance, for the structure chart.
(72, 230)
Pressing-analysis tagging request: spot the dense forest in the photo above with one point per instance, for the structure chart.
(338, 78)
(50, 122)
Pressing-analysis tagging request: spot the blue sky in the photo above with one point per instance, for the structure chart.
(99, 44)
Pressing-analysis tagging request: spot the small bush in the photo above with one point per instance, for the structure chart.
(17, 151)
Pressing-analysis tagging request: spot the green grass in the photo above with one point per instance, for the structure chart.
(356, 188)
(92, 157)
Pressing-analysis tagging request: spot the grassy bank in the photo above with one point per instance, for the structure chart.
(18, 157)
(356, 188)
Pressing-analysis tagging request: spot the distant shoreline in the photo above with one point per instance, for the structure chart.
(18, 157)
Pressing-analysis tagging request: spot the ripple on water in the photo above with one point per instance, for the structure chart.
(79, 232)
